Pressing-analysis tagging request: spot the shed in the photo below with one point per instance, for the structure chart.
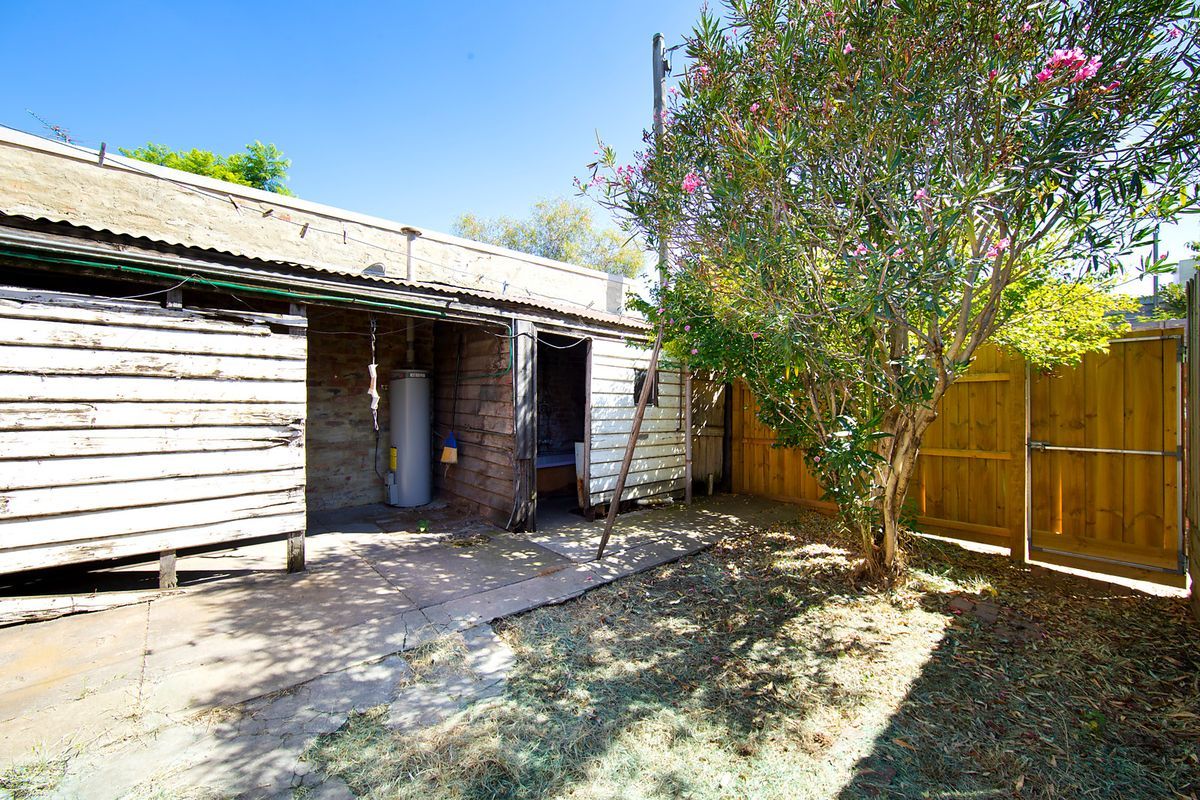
(188, 363)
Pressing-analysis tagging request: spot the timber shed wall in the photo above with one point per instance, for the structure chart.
(658, 463)
(127, 428)
(473, 397)
(344, 460)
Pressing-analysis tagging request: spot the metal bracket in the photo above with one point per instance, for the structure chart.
(1039, 446)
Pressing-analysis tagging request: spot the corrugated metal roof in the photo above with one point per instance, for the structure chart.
(243, 263)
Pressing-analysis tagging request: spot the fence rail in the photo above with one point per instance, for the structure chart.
(1098, 490)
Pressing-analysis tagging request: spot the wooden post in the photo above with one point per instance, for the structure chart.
(167, 577)
(687, 435)
(295, 551)
(727, 438)
(614, 504)
(1021, 472)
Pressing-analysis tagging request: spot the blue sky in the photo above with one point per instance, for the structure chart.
(417, 112)
(412, 111)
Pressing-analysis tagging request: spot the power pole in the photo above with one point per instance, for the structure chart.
(659, 55)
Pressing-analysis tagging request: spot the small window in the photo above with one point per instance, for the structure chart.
(639, 380)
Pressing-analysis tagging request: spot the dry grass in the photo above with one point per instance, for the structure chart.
(755, 671)
(32, 779)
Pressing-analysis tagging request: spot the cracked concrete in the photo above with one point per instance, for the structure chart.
(223, 685)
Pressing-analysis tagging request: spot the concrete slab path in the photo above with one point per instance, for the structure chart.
(140, 685)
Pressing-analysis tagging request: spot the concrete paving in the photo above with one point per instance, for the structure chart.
(149, 694)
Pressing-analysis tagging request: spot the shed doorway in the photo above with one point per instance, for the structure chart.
(562, 420)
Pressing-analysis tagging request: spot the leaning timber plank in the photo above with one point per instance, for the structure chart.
(116, 441)
(61, 361)
(91, 525)
(53, 388)
(47, 333)
(51, 416)
(53, 472)
(70, 498)
(178, 538)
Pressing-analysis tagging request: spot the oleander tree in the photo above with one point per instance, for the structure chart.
(858, 195)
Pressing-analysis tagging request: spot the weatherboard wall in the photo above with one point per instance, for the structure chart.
(658, 462)
(127, 428)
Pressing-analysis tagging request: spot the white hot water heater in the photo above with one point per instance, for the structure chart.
(411, 480)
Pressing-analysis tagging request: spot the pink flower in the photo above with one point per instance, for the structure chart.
(991, 75)
(691, 182)
(1027, 27)
(1110, 87)
(1174, 32)
(1087, 70)
(899, 253)
(1066, 58)
(1045, 75)
(753, 107)
(694, 351)
(920, 194)
(848, 49)
(861, 250)
(755, 335)
(702, 72)
(998, 247)
(687, 327)
(662, 311)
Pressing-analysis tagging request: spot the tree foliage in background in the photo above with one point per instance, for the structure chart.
(561, 230)
(1171, 302)
(858, 195)
(262, 166)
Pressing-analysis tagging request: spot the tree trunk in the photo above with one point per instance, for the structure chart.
(883, 560)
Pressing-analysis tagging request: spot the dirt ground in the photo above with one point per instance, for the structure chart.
(755, 670)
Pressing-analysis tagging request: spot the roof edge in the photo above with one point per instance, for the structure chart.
(80, 153)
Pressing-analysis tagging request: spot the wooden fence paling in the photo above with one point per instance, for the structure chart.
(970, 479)
(1193, 437)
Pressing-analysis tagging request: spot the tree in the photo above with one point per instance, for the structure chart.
(262, 166)
(858, 195)
(561, 230)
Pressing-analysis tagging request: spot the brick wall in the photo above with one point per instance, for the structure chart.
(341, 439)
(562, 395)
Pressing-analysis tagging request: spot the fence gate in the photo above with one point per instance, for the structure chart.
(1105, 460)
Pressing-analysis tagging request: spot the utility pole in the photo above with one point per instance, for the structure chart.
(659, 55)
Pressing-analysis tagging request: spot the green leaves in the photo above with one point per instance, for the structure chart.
(262, 166)
(561, 230)
(881, 188)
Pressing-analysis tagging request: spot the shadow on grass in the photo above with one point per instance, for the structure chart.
(755, 671)
(695, 680)
(1044, 686)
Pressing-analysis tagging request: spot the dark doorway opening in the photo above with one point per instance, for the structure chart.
(561, 424)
